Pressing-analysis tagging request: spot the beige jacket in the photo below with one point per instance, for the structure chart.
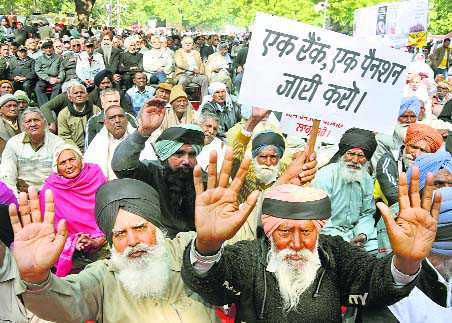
(72, 129)
(181, 62)
(97, 294)
(216, 61)
(172, 120)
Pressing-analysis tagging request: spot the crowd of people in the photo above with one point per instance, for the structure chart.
(134, 188)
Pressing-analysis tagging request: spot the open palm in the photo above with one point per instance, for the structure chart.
(36, 244)
(152, 115)
(217, 214)
(414, 230)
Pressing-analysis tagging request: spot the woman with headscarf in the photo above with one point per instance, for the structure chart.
(219, 102)
(74, 186)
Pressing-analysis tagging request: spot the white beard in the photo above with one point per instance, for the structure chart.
(147, 276)
(399, 134)
(107, 52)
(266, 174)
(351, 174)
(407, 160)
(293, 277)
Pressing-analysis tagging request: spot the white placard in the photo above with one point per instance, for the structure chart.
(330, 131)
(391, 23)
(300, 69)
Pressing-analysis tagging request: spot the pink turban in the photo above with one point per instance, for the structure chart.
(291, 202)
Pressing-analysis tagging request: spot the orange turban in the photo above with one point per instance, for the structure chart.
(417, 132)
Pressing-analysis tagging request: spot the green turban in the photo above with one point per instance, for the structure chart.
(173, 138)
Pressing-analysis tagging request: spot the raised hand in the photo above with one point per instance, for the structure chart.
(217, 213)
(257, 115)
(412, 233)
(152, 116)
(36, 244)
(300, 170)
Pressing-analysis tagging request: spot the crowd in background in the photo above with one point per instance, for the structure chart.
(81, 108)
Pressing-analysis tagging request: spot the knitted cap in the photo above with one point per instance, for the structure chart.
(177, 92)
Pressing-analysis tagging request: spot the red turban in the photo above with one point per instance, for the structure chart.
(417, 132)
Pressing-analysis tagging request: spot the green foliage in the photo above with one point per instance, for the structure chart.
(341, 13)
(27, 7)
(440, 18)
(214, 14)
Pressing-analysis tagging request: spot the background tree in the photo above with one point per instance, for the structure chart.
(440, 17)
(83, 9)
(215, 14)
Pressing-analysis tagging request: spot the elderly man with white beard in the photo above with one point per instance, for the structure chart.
(350, 188)
(419, 139)
(267, 149)
(140, 283)
(293, 273)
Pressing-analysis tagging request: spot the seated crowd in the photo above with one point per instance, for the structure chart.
(124, 198)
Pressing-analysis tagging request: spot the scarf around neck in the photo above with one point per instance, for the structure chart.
(87, 110)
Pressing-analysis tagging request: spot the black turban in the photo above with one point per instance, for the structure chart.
(356, 138)
(101, 75)
(131, 195)
(268, 138)
(6, 230)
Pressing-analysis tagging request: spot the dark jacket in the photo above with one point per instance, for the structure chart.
(68, 65)
(228, 117)
(3, 68)
(54, 105)
(20, 36)
(126, 164)
(125, 102)
(428, 283)
(346, 271)
(240, 59)
(46, 67)
(113, 63)
(387, 174)
(130, 63)
(24, 68)
(446, 113)
(206, 51)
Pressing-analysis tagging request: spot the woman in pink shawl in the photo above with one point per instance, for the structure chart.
(74, 186)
